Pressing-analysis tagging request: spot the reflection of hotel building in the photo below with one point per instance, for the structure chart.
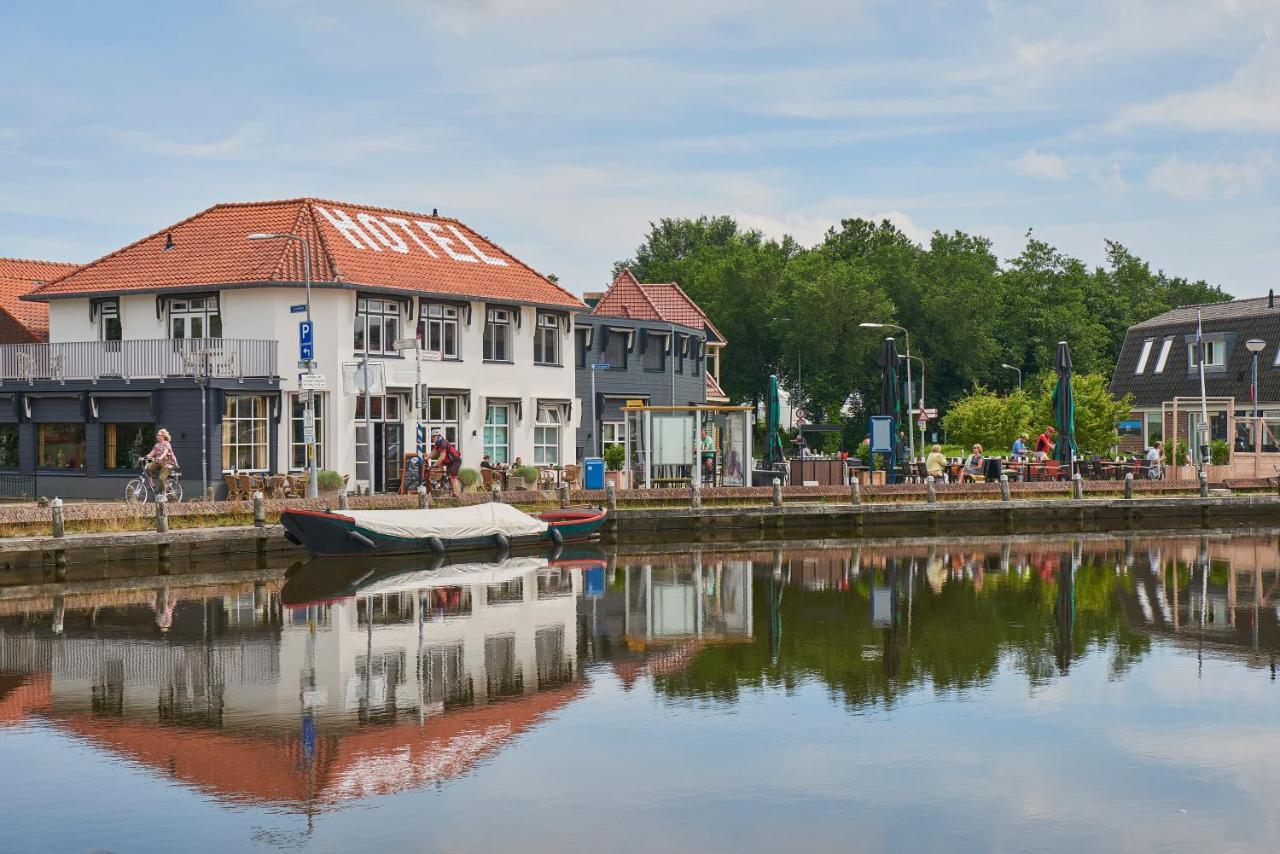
(196, 328)
(249, 700)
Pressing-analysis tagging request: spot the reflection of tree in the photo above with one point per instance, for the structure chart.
(960, 635)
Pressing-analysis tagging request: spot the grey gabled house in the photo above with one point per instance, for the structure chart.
(659, 347)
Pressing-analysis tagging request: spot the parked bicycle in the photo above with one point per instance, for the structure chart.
(140, 490)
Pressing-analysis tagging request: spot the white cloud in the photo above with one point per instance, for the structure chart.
(239, 143)
(1248, 101)
(1221, 179)
(1033, 164)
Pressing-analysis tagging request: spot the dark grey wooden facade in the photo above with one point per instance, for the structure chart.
(681, 381)
(174, 404)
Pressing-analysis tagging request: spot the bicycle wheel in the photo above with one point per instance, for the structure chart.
(135, 491)
(174, 492)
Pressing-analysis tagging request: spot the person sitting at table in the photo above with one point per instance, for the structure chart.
(935, 465)
(973, 464)
(485, 462)
(1020, 447)
(1154, 454)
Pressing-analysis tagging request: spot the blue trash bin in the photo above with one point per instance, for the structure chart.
(593, 473)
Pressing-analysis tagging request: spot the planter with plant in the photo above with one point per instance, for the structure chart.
(328, 480)
(615, 456)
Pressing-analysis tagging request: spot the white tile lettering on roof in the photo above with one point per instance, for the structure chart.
(380, 233)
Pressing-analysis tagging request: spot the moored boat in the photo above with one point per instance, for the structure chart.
(489, 526)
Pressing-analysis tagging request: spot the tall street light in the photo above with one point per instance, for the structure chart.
(1017, 370)
(1254, 346)
(911, 441)
(309, 395)
(922, 420)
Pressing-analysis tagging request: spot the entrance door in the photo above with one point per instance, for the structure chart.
(391, 456)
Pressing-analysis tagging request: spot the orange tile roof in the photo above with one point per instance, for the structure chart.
(664, 301)
(25, 321)
(356, 245)
(714, 392)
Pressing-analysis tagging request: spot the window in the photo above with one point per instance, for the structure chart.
(616, 350)
(1165, 347)
(109, 320)
(377, 325)
(580, 347)
(382, 407)
(1215, 354)
(655, 353)
(8, 446)
(546, 340)
(438, 329)
(612, 433)
(442, 412)
(682, 344)
(1155, 428)
(497, 335)
(194, 317)
(244, 432)
(546, 436)
(1144, 355)
(497, 432)
(298, 433)
(122, 444)
(60, 447)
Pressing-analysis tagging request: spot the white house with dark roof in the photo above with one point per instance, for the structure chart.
(136, 334)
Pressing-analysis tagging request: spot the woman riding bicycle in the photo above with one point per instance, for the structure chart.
(161, 460)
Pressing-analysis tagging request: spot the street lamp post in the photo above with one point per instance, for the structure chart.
(309, 395)
(911, 442)
(922, 420)
(1016, 370)
(1254, 346)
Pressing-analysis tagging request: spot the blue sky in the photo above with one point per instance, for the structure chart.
(560, 128)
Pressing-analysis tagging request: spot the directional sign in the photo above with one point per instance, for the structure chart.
(306, 346)
(312, 382)
(600, 366)
(432, 355)
(298, 309)
(929, 413)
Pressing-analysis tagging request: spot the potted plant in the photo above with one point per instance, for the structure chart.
(615, 456)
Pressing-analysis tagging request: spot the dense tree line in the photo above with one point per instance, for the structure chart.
(795, 310)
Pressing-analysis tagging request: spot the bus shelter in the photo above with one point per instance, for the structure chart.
(694, 445)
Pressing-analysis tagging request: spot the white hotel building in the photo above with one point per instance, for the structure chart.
(195, 328)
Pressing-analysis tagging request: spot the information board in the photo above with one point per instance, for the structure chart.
(882, 434)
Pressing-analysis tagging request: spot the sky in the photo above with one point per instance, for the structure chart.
(562, 128)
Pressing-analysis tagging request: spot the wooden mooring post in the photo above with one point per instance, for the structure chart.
(424, 498)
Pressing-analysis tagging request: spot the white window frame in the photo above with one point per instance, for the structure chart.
(384, 311)
(612, 433)
(108, 310)
(438, 415)
(491, 446)
(1163, 358)
(297, 421)
(206, 309)
(1144, 355)
(440, 317)
(260, 425)
(495, 320)
(546, 335)
(547, 431)
(1215, 353)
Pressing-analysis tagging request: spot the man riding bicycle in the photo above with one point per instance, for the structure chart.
(447, 456)
(161, 461)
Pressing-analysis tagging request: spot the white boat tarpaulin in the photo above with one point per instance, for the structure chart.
(458, 575)
(453, 523)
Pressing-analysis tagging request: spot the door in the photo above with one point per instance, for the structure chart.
(392, 456)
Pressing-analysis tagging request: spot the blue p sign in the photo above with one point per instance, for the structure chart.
(306, 347)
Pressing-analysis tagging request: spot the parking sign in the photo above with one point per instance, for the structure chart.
(306, 347)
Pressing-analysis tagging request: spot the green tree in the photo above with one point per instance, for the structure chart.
(987, 418)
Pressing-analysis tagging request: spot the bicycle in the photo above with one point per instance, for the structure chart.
(140, 490)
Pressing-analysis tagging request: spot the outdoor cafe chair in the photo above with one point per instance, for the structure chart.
(487, 478)
(233, 487)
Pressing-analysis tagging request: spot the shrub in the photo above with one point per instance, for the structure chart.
(1219, 452)
(468, 477)
(1176, 456)
(614, 457)
(1098, 413)
(987, 418)
(328, 480)
(529, 473)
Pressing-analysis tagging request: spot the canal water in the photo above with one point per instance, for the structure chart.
(1046, 694)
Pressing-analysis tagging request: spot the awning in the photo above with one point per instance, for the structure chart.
(517, 402)
(563, 402)
(96, 396)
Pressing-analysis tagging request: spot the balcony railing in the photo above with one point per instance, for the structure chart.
(219, 358)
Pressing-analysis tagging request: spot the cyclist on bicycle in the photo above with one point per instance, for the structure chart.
(448, 456)
(161, 460)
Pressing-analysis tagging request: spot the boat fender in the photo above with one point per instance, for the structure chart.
(436, 544)
(362, 539)
(502, 541)
(292, 537)
(556, 536)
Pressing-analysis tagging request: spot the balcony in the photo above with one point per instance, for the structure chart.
(214, 358)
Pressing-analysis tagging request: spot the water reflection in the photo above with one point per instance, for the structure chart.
(347, 681)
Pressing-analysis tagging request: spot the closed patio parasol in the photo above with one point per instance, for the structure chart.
(1064, 409)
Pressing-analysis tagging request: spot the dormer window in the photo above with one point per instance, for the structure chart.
(195, 317)
(1215, 353)
(1144, 355)
(1165, 346)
